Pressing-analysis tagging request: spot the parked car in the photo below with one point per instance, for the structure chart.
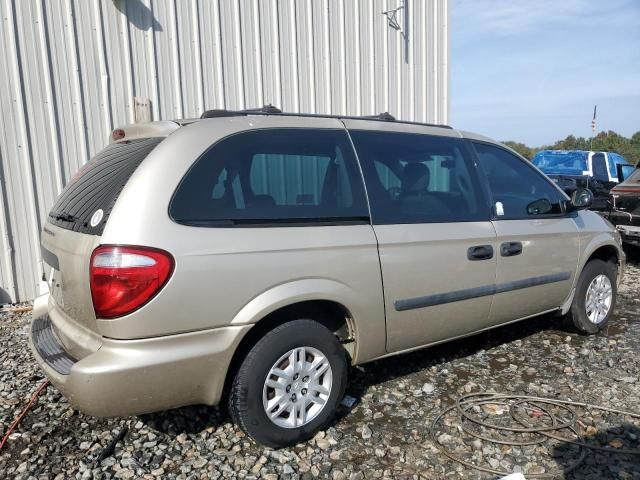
(254, 256)
(573, 169)
(625, 207)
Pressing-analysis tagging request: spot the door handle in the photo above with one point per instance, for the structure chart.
(480, 252)
(510, 249)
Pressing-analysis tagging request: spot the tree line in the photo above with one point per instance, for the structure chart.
(609, 141)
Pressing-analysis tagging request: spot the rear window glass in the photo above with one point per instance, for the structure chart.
(273, 176)
(97, 186)
(561, 162)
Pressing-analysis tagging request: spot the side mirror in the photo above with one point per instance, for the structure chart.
(539, 207)
(580, 199)
(624, 170)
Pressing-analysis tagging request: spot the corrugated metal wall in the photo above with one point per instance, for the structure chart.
(70, 70)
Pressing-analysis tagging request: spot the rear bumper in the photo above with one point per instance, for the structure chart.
(127, 377)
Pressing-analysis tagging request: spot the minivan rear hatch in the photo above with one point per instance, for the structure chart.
(77, 220)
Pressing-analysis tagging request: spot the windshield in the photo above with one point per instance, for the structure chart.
(561, 162)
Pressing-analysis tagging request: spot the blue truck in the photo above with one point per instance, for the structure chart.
(573, 169)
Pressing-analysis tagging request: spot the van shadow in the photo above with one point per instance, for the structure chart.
(389, 369)
(599, 464)
(633, 255)
(196, 419)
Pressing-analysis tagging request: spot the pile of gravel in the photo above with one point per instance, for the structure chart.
(384, 435)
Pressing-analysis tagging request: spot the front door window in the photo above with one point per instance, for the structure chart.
(518, 190)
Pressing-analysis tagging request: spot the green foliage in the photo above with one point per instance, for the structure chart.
(604, 142)
(521, 148)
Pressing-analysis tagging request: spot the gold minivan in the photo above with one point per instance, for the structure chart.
(253, 256)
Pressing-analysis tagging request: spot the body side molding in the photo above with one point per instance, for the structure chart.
(486, 290)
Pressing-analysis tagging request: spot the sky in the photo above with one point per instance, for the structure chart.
(532, 70)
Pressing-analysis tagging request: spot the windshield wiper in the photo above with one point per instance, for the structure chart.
(64, 216)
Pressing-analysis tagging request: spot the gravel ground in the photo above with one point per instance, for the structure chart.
(386, 433)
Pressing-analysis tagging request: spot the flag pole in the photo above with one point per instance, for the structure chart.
(593, 127)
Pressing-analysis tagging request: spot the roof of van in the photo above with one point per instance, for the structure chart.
(164, 128)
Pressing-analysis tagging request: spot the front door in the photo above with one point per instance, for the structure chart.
(538, 244)
(435, 238)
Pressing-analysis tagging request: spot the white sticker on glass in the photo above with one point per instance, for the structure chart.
(96, 218)
(499, 209)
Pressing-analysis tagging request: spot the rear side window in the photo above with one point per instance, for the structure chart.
(97, 185)
(414, 178)
(282, 176)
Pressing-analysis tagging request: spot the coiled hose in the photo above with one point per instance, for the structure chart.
(548, 425)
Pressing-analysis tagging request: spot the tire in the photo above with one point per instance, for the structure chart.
(578, 315)
(250, 391)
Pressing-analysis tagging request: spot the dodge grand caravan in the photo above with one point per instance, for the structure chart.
(250, 257)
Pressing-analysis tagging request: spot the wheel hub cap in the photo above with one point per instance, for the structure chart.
(599, 298)
(297, 387)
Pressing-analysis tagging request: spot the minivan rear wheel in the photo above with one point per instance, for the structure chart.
(595, 297)
(289, 384)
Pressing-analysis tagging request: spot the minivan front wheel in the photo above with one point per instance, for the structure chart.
(289, 384)
(595, 297)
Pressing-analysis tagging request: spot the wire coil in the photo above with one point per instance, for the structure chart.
(552, 416)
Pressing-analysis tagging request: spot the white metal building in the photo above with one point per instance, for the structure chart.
(72, 70)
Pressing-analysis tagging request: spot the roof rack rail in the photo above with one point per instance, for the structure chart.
(386, 116)
(266, 109)
(221, 113)
(272, 110)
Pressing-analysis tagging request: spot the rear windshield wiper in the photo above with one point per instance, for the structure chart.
(64, 216)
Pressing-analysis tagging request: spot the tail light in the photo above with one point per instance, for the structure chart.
(124, 278)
